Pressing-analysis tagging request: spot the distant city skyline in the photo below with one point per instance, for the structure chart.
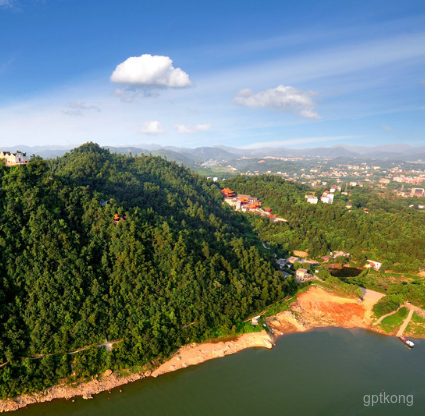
(189, 74)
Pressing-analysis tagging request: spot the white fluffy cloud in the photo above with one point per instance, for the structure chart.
(188, 129)
(150, 70)
(151, 127)
(286, 99)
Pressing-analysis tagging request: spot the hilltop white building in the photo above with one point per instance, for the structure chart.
(311, 199)
(13, 159)
(327, 198)
(373, 264)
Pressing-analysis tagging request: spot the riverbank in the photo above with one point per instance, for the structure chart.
(187, 355)
(314, 308)
(318, 308)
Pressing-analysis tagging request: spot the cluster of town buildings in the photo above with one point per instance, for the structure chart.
(417, 192)
(328, 196)
(302, 274)
(13, 159)
(408, 179)
(322, 171)
(373, 176)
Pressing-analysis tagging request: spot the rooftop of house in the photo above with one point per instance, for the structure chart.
(293, 259)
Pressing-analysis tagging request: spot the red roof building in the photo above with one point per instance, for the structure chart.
(228, 193)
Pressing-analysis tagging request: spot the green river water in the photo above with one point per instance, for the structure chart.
(321, 372)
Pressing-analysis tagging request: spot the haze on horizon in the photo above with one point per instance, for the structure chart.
(244, 74)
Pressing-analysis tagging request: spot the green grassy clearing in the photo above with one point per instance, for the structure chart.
(391, 323)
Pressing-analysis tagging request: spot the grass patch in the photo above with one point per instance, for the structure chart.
(247, 327)
(416, 327)
(391, 323)
(380, 281)
(417, 319)
(221, 171)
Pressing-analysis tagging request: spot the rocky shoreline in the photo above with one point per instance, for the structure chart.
(186, 356)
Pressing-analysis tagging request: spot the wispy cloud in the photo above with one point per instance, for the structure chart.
(131, 94)
(151, 127)
(294, 142)
(387, 128)
(7, 3)
(350, 58)
(286, 99)
(189, 129)
(5, 65)
(78, 108)
(327, 63)
(125, 95)
(309, 37)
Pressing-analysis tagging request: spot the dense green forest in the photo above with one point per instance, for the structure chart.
(390, 232)
(175, 265)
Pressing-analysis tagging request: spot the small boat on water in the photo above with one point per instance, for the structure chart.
(409, 343)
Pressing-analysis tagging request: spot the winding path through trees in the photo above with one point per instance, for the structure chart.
(107, 344)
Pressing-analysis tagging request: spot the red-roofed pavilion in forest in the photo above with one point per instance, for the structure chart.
(227, 193)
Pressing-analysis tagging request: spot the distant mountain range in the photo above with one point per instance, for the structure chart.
(189, 156)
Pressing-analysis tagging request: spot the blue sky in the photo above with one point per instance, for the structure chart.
(240, 73)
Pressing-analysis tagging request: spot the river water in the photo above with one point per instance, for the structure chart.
(329, 371)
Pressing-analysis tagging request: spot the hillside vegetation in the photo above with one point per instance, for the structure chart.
(390, 232)
(177, 266)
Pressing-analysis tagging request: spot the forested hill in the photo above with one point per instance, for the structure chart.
(176, 266)
(388, 230)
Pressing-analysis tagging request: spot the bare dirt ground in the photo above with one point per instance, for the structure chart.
(319, 308)
(198, 353)
(370, 297)
(299, 253)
